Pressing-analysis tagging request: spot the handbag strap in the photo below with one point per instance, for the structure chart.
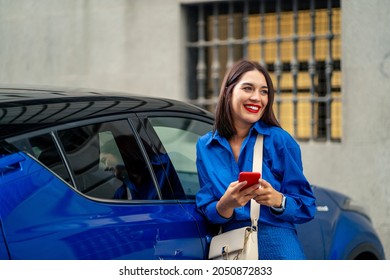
(257, 167)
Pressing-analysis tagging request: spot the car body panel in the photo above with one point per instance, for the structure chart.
(355, 234)
(43, 218)
(3, 245)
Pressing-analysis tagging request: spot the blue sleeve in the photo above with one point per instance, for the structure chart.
(120, 193)
(206, 200)
(300, 200)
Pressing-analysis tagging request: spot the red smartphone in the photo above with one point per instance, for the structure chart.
(250, 177)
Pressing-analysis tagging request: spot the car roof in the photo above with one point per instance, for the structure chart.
(26, 109)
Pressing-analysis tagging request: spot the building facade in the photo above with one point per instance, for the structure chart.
(330, 62)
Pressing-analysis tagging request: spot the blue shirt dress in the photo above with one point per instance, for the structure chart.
(282, 168)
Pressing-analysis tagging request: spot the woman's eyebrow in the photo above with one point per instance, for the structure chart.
(251, 84)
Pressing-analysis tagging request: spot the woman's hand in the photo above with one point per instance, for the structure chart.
(235, 197)
(267, 195)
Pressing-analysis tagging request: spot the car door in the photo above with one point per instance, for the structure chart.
(62, 202)
(175, 135)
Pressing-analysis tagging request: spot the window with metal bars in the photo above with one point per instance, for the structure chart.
(299, 42)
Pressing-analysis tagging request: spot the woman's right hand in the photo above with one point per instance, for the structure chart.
(235, 197)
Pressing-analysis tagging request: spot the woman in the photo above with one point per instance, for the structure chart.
(245, 109)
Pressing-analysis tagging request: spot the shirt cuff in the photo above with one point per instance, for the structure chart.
(214, 216)
(280, 209)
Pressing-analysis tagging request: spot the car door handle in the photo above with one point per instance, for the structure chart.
(10, 164)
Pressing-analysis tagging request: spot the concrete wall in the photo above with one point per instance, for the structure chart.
(360, 165)
(126, 45)
(138, 46)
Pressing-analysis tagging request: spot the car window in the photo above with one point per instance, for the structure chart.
(161, 164)
(179, 136)
(107, 162)
(43, 148)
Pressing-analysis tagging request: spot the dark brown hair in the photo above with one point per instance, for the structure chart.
(223, 114)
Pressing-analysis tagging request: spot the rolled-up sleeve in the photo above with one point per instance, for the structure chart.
(287, 163)
(206, 199)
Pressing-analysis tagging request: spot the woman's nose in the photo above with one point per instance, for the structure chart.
(256, 95)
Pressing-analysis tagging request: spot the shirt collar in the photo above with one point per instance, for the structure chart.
(260, 127)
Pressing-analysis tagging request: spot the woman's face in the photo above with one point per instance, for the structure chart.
(109, 160)
(249, 99)
(113, 164)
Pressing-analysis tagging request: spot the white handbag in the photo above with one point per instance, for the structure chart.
(241, 243)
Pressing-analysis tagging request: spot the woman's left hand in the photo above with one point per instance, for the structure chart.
(267, 195)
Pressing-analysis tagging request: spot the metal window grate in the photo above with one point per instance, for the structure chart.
(299, 42)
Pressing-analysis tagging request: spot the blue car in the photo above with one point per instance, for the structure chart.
(93, 175)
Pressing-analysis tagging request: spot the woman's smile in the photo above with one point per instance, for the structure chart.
(252, 108)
